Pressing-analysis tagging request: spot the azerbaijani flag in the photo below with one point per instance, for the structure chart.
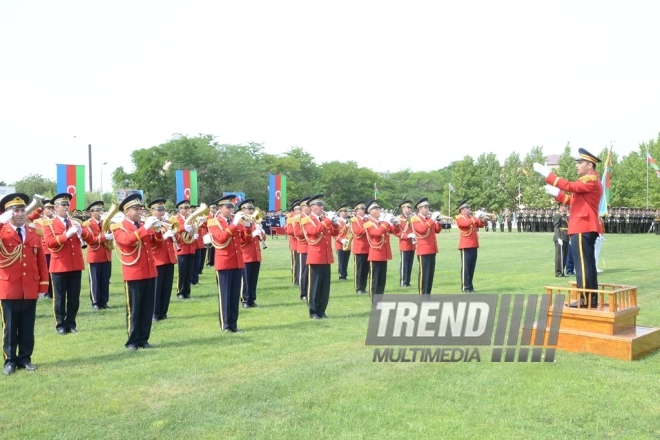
(71, 179)
(451, 188)
(186, 186)
(652, 163)
(277, 192)
(605, 198)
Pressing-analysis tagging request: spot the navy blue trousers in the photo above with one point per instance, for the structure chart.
(229, 295)
(164, 282)
(66, 301)
(99, 283)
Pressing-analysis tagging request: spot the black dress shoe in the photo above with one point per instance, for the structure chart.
(254, 306)
(237, 330)
(303, 298)
(95, 307)
(361, 291)
(29, 366)
(228, 330)
(324, 316)
(246, 305)
(48, 296)
(73, 330)
(154, 319)
(147, 345)
(9, 369)
(105, 306)
(131, 347)
(570, 274)
(561, 275)
(180, 296)
(63, 331)
(314, 316)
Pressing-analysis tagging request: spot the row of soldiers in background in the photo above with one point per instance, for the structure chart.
(630, 221)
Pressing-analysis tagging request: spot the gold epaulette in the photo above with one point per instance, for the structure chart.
(304, 221)
(87, 224)
(456, 217)
(115, 226)
(588, 178)
(39, 221)
(289, 220)
(212, 222)
(414, 218)
(47, 222)
(368, 224)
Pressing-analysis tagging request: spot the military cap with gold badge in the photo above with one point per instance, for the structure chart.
(61, 198)
(316, 200)
(158, 204)
(15, 200)
(133, 200)
(585, 155)
(424, 201)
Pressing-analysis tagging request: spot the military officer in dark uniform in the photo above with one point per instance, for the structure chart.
(560, 226)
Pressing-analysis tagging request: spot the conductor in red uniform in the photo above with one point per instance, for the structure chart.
(226, 236)
(64, 236)
(378, 235)
(318, 231)
(468, 242)
(23, 276)
(583, 224)
(425, 228)
(134, 241)
(99, 257)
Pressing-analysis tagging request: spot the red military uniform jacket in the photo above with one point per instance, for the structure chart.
(342, 232)
(584, 201)
(360, 243)
(134, 246)
(227, 239)
(299, 233)
(201, 231)
(186, 249)
(405, 228)
(293, 242)
(251, 246)
(467, 228)
(39, 229)
(27, 276)
(378, 235)
(425, 230)
(96, 250)
(319, 239)
(65, 253)
(162, 249)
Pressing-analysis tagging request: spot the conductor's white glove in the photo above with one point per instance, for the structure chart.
(149, 222)
(6, 216)
(238, 218)
(109, 236)
(71, 231)
(188, 228)
(541, 169)
(552, 190)
(560, 241)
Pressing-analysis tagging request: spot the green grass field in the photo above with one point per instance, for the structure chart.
(290, 377)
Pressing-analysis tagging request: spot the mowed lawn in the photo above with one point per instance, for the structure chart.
(290, 377)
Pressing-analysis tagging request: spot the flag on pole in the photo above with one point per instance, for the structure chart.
(71, 179)
(605, 198)
(277, 192)
(186, 185)
(451, 188)
(652, 163)
(376, 192)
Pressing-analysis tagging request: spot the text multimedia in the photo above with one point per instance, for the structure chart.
(390, 354)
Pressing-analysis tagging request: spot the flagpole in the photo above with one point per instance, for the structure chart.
(648, 154)
(449, 201)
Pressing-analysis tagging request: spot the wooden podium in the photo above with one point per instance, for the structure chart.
(609, 330)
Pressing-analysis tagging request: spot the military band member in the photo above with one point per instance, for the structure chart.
(468, 242)
(560, 226)
(23, 276)
(318, 232)
(226, 236)
(341, 241)
(425, 228)
(210, 254)
(378, 235)
(360, 248)
(407, 242)
(293, 241)
(134, 240)
(186, 254)
(99, 257)
(251, 248)
(47, 214)
(164, 251)
(200, 252)
(508, 218)
(303, 279)
(63, 236)
(583, 224)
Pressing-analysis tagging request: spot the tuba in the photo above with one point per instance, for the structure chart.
(192, 219)
(114, 209)
(37, 202)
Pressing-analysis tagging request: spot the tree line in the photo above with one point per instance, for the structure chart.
(484, 181)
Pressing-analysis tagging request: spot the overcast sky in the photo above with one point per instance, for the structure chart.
(390, 85)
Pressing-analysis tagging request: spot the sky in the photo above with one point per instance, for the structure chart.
(390, 85)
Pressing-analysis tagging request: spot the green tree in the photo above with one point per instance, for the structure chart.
(36, 184)
(566, 168)
(532, 184)
(465, 179)
(491, 195)
(511, 177)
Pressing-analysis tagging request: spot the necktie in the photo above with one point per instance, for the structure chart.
(137, 225)
(66, 223)
(20, 233)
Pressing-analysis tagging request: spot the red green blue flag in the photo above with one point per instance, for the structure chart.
(277, 192)
(71, 179)
(652, 163)
(186, 186)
